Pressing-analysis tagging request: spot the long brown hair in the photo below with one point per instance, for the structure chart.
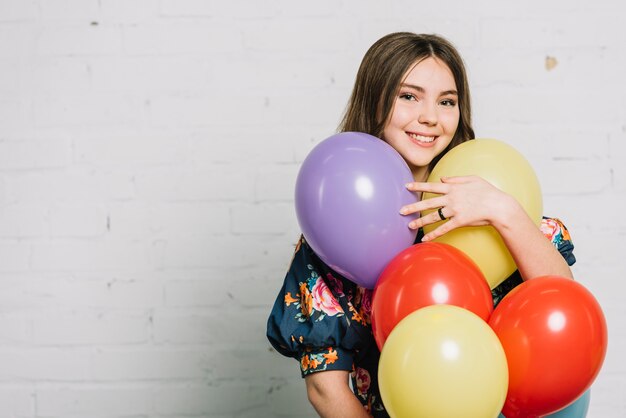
(381, 72)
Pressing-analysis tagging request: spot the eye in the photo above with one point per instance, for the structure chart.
(448, 102)
(407, 96)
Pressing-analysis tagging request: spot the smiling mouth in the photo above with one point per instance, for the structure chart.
(422, 138)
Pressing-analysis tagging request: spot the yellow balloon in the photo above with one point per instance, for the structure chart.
(507, 169)
(443, 361)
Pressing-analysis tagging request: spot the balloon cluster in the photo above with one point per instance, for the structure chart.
(445, 351)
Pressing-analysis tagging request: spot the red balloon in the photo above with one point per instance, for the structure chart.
(554, 336)
(425, 274)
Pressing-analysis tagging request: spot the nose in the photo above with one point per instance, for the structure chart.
(428, 115)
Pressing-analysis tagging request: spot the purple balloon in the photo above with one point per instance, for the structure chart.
(349, 192)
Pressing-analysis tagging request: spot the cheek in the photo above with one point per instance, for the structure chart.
(451, 121)
(393, 124)
(399, 117)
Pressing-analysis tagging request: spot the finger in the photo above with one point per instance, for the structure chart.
(438, 188)
(422, 205)
(439, 231)
(427, 219)
(457, 179)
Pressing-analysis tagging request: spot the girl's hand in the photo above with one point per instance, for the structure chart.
(464, 201)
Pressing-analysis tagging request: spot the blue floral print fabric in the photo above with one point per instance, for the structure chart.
(322, 319)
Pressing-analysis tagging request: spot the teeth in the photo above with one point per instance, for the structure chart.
(422, 138)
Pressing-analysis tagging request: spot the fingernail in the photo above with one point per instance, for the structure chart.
(403, 211)
(412, 225)
(408, 185)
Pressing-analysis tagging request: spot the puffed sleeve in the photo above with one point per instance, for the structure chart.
(557, 233)
(309, 318)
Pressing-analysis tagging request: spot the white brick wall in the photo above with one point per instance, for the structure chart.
(148, 154)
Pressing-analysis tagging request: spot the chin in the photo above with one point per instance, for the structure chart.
(418, 163)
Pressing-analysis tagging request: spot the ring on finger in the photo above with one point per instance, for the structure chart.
(441, 215)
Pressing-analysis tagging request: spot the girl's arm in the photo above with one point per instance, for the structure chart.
(472, 201)
(331, 396)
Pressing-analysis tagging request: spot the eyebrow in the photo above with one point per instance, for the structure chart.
(421, 89)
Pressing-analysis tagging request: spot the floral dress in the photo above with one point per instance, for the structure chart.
(322, 319)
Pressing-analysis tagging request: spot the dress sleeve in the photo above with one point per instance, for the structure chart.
(308, 321)
(558, 234)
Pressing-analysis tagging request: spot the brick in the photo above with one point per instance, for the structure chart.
(89, 255)
(539, 144)
(198, 293)
(153, 73)
(17, 40)
(16, 10)
(75, 39)
(304, 32)
(210, 400)
(192, 253)
(198, 218)
(527, 68)
(180, 39)
(208, 9)
(22, 221)
(73, 184)
(88, 400)
(38, 154)
(285, 393)
(273, 145)
(149, 364)
(462, 33)
(85, 110)
(129, 12)
(217, 287)
(169, 219)
(327, 106)
(108, 292)
(15, 329)
(9, 76)
(520, 105)
(116, 183)
(213, 183)
(277, 183)
(14, 255)
(54, 74)
(209, 328)
(130, 150)
(67, 220)
(15, 116)
(53, 364)
(85, 328)
(212, 110)
(71, 10)
(16, 401)
(267, 219)
(563, 31)
(299, 71)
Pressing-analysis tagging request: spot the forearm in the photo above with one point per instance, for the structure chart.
(533, 254)
(332, 398)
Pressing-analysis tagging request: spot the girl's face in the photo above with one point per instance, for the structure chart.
(425, 115)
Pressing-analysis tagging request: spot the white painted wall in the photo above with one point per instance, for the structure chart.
(148, 153)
